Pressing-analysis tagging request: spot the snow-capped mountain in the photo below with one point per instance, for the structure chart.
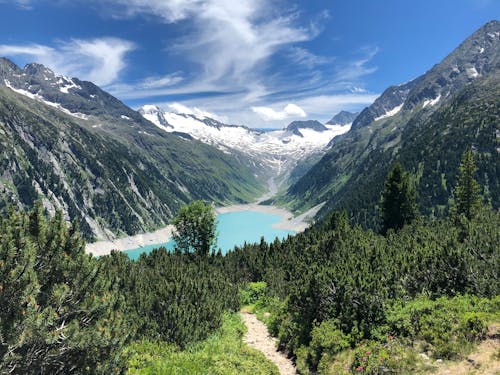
(274, 153)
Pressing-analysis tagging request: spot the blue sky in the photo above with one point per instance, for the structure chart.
(262, 63)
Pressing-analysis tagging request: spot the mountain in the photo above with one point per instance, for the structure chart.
(79, 149)
(343, 118)
(426, 124)
(272, 154)
(296, 126)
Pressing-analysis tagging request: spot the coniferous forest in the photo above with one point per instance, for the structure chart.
(339, 298)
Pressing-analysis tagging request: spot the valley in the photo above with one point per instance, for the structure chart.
(213, 187)
(145, 242)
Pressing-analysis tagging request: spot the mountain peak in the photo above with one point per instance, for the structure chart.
(35, 68)
(295, 126)
(343, 118)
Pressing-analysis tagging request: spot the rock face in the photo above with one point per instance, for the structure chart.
(274, 154)
(76, 148)
(426, 124)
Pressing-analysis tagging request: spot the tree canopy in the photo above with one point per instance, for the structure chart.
(195, 228)
(399, 205)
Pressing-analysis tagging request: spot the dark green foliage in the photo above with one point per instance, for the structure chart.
(57, 314)
(338, 282)
(195, 228)
(63, 311)
(399, 205)
(467, 197)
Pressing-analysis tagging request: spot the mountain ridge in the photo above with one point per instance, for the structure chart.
(352, 172)
(79, 149)
(274, 153)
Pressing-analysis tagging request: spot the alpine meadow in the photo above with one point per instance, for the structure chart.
(146, 145)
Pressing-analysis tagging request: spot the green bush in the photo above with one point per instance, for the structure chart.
(252, 293)
(327, 339)
(447, 326)
(391, 357)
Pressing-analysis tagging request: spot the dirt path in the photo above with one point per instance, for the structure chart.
(258, 337)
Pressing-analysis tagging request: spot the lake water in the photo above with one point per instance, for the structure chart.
(234, 229)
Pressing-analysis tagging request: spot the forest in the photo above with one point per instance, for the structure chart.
(336, 293)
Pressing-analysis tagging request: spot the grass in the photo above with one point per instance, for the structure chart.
(223, 353)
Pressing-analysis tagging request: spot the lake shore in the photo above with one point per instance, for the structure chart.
(163, 235)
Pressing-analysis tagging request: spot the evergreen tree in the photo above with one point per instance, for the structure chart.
(399, 205)
(58, 315)
(195, 228)
(467, 192)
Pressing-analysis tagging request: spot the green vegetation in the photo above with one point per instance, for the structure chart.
(195, 228)
(399, 201)
(338, 295)
(57, 312)
(223, 353)
(331, 295)
(467, 192)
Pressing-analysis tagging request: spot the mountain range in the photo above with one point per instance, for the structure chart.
(272, 154)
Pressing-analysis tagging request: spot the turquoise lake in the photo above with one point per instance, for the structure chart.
(234, 229)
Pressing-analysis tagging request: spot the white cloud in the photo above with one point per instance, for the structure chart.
(269, 114)
(98, 60)
(355, 69)
(304, 57)
(158, 82)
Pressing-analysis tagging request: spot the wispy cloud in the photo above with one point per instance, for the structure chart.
(99, 60)
(357, 68)
(230, 41)
(269, 114)
(23, 4)
(304, 57)
(230, 49)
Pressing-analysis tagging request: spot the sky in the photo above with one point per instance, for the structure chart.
(261, 63)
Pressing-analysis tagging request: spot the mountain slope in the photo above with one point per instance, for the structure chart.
(426, 124)
(79, 149)
(272, 154)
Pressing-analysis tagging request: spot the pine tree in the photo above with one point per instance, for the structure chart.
(467, 192)
(399, 205)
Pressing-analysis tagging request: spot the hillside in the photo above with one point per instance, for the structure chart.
(426, 124)
(81, 150)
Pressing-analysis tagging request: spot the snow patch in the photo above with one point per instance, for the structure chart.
(472, 72)
(431, 102)
(390, 113)
(42, 99)
(67, 83)
(125, 117)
